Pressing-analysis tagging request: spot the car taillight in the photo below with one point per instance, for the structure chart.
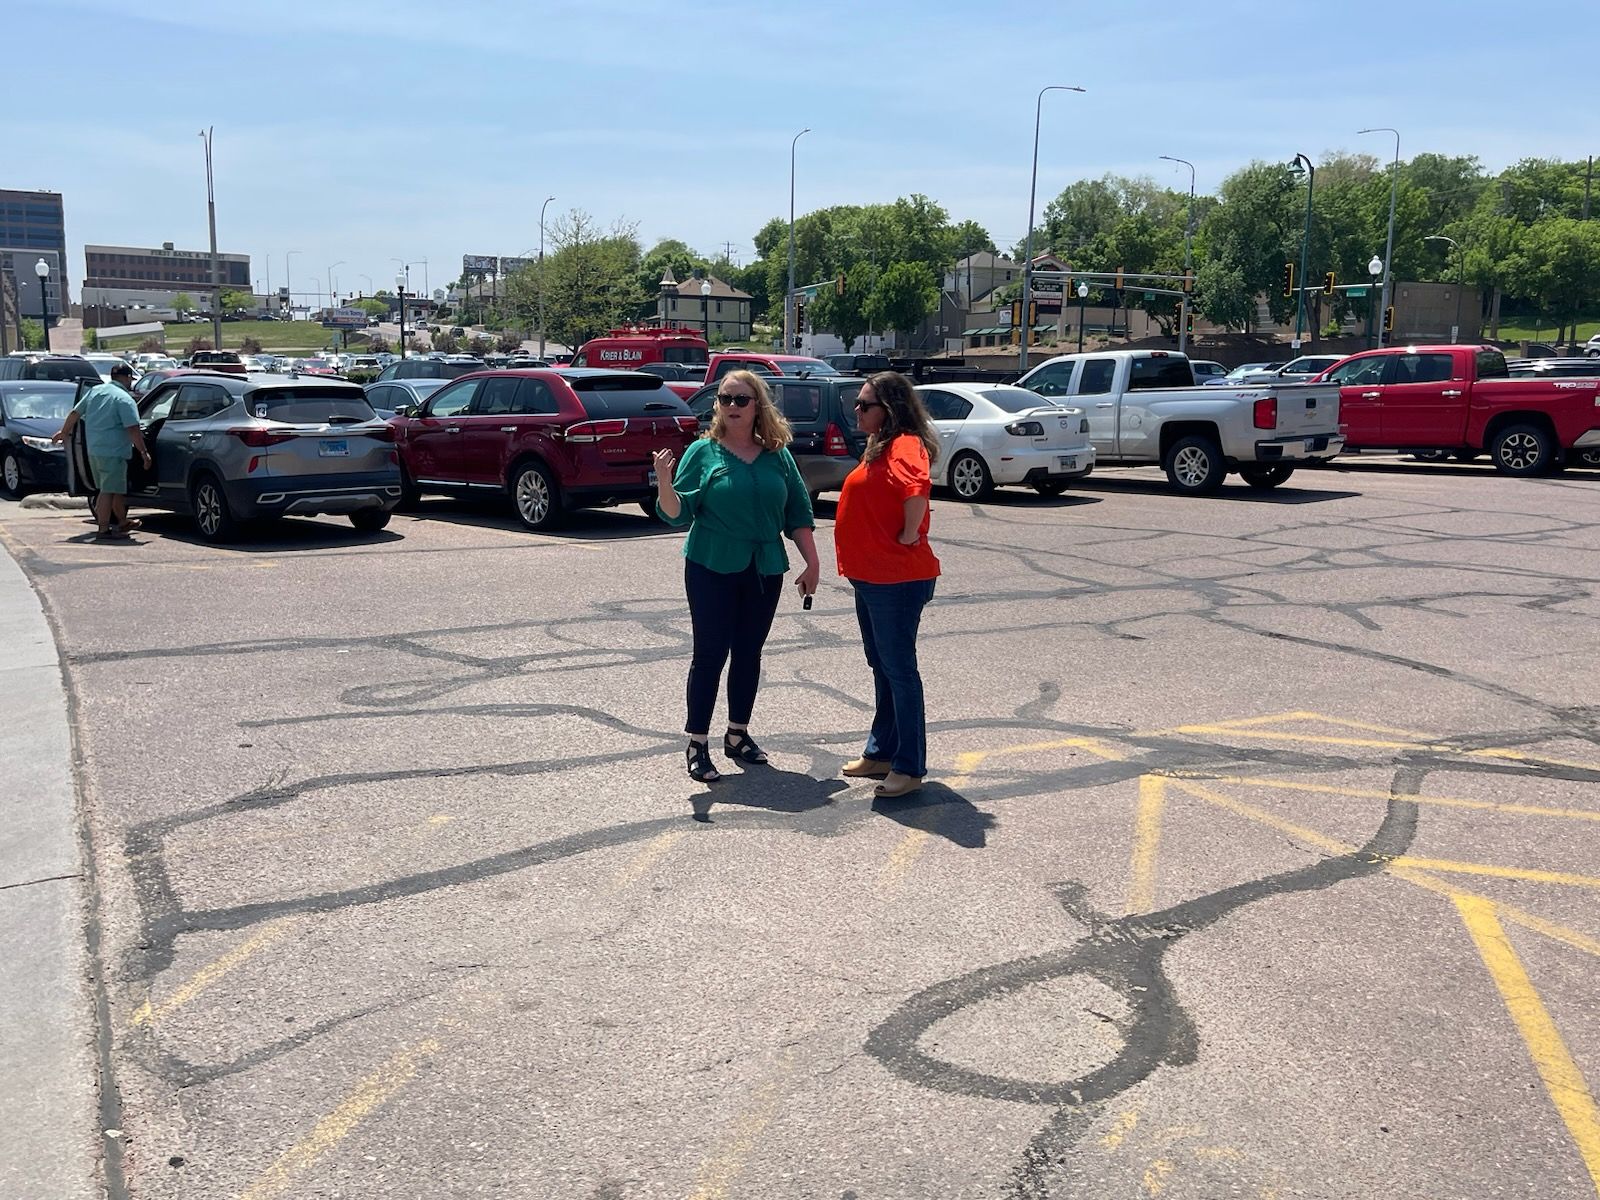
(1025, 429)
(689, 424)
(593, 431)
(834, 444)
(1083, 425)
(1266, 413)
(260, 439)
(384, 433)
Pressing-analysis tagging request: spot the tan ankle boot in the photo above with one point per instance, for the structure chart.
(866, 768)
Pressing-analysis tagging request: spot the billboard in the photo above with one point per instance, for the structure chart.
(479, 264)
(345, 318)
(510, 265)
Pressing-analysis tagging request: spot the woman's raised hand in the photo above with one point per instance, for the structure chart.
(666, 462)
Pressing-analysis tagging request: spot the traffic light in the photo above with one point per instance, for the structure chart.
(1388, 319)
(799, 316)
(1188, 281)
(1328, 281)
(838, 285)
(1188, 323)
(1016, 315)
(1288, 279)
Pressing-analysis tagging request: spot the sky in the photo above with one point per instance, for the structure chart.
(358, 132)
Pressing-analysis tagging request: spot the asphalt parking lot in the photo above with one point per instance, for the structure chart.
(1259, 856)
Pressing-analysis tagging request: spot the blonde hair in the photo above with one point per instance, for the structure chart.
(771, 429)
(903, 413)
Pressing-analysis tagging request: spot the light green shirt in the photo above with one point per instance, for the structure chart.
(106, 411)
(739, 512)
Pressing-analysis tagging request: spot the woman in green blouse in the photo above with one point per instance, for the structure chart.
(740, 492)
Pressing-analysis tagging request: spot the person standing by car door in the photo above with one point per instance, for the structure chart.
(111, 436)
(740, 492)
(881, 542)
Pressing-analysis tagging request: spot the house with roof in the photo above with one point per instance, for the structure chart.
(704, 302)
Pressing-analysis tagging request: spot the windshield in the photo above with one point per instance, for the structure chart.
(310, 405)
(1014, 399)
(806, 366)
(43, 403)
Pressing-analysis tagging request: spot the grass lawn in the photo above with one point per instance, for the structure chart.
(295, 336)
(1521, 329)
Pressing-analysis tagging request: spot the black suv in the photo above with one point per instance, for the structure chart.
(426, 368)
(50, 366)
(821, 410)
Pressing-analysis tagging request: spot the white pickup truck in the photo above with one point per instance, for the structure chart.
(1145, 409)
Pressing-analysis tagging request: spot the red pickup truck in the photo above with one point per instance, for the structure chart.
(1461, 399)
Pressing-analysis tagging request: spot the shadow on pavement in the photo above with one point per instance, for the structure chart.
(766, 787)
(1304, 488)
(265, 537)
(938, 810)
(608, 524)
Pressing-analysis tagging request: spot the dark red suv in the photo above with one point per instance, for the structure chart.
(549, 439)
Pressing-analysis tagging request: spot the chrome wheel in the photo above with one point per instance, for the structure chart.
(969, 478)
(533, 497)
(1191, 465)
(13, 474)
(208, 509)
(1520, 451)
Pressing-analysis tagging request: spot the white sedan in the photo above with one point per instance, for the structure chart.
(996, 434)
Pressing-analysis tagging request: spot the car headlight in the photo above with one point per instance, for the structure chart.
(44, 444)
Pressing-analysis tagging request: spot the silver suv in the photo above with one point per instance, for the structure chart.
(233, 448)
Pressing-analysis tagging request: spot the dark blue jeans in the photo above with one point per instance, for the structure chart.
(889, 614)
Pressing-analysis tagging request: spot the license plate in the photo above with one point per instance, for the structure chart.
(1067, 462)
(650, 477)
(334, 448)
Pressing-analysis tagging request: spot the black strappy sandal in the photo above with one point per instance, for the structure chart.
(745, 749)
(697, 758)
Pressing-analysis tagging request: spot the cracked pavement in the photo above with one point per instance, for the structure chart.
(399, 876)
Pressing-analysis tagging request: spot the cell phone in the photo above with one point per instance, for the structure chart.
(807, 604)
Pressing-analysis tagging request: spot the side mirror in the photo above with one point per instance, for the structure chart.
(406, 410)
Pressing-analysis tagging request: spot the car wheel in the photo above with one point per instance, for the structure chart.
(1050, 488)
(212, 515)
(11, 474)
(1522, 450)
(535, 496)
(1266, 478)
(1194, 465)
(969, 477)
(369, 520)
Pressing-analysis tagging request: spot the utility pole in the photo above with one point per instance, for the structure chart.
(1305, 250)
(1188, 241)
(211, 215)
(1388, 246)
(788, 297)
(1027, 254)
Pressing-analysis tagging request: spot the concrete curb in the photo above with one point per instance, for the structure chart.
(54, 500)
(49, 1058)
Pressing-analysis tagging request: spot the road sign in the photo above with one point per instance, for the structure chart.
(1355, 293)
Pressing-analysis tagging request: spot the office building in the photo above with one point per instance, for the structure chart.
(128, 276)
(32, 222)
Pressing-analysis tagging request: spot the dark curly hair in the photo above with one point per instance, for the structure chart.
(902, 413)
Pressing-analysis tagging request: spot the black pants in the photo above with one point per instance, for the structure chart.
(731, 615)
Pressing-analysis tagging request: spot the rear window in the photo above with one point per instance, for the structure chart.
(627, 396)
(685, 354)
(1492, 365)
(310, 405)
(70, 368)
(1014, 399)
(214, 356)
(800, 401)
(1162, 372)
(806, 366)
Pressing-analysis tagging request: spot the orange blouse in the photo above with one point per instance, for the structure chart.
(871, 515)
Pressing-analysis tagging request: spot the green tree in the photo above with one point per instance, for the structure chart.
(377, 343)
(150, 345)
(665, 254)
(197, 343)
(848, 316)
(508, 343)
(1558, 269)
(903, 296)
(183, 303)
(1221, 296)
(373, 307)
(591, 280)
(233, 300)
(32, 335)
(445, 342)
(250, 345)
(1256, 228)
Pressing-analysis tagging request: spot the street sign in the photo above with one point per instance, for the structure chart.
(1355, 293)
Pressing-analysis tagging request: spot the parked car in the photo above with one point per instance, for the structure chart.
(1144, 409)
(229, 448)
(549, 440)
(1237, 375)
(154, 362)
(675, 372)
(993, 435)
(426, 368)
(147, 382)
(48, 366)
(858, 364)
(1205, 370)
(1591, 348)
(103, 363)
(398, 396)
(1551, 368)
(218, 360)
(797, 365)
(1463, 400)
(1299, 370)
(31, 412)
(821, 411)
(515, 363)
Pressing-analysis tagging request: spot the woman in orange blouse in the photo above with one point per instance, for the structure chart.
(881, 537)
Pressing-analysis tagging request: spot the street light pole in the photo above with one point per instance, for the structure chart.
(42, 270)
(1188, 242)
(1305, 249)
(788, 296)
(1083, 295)
(400, 280)
(1388, 246)
(705, 309)
(211, 215)
(288, 279)
(1461, 275)
(1033, 187)
(340, 263)
(542, 207)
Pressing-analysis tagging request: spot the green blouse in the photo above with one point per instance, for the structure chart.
(738, 511)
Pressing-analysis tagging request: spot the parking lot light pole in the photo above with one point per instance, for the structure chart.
(1388, 246)
(1461, 275)
(1301, 161)
(705, 309)
(1188, 242)
(1033, 187)
(788, 296)
(288, 280)
(1083, 295)
(42, 270)
(400, 280)
(1375, 269)
(211, 216)
(340, 263)
(542, 207)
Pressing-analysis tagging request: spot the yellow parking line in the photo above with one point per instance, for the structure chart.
(1275, 735)
(719, 1170)
(654, 850)
(1451, 867)
(1146, 841)
(1119, 1132)
(1527, 810)
(211, 973)
(369, 1094)
(1563, 1081)
(916, 840)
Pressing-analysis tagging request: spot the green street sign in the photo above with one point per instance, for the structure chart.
(1355, 293)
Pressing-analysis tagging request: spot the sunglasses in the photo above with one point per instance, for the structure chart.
(863, 405)
(728, 399)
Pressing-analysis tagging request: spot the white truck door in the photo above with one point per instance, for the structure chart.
(1096, 394)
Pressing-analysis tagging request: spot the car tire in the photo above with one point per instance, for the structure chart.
(1522, 450)
(1051, 487)
(969, 477)
(535, 495)
(11, 475)
(410, 498)
(370, 520)
(1265, 478)
(1194, 465)
(212, 516)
